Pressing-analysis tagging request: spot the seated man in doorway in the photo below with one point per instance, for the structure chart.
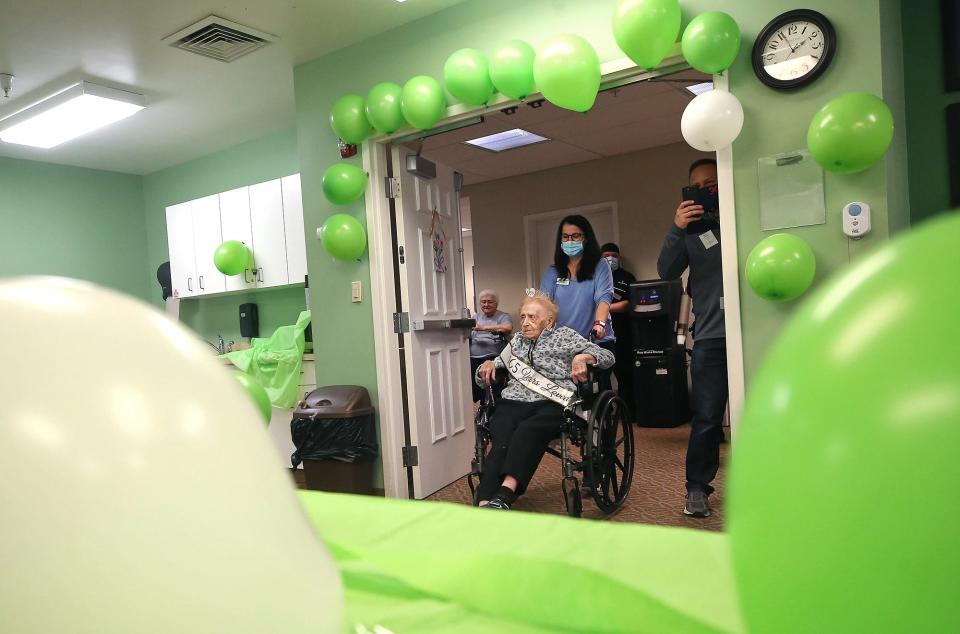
(490, 334)
(543, 362)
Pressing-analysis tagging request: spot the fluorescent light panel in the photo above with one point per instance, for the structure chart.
(507, 140)
(74, 111)
(699, 89)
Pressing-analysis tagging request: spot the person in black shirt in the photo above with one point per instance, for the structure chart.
(694, 242)
(622, 329)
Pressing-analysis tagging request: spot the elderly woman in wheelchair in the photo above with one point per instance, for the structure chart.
(540, 403)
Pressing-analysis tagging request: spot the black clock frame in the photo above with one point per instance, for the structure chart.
(775, 25)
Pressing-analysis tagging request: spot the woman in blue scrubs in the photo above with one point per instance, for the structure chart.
(581, 282)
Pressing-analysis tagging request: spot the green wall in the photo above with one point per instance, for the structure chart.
(77, 222)
(256, 161)
(775, 122)
(926, 101)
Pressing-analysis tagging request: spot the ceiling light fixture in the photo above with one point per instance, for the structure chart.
(74, 111)
(699, 89)
(507, 140)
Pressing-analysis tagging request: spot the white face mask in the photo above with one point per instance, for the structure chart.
(614, 262)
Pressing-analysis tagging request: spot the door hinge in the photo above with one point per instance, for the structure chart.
(401, 255)
(401, 323)
(409, 454)
(391, 187)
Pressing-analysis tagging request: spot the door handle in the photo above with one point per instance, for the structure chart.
(245, 280)
(201, 282)
(444, 324)
(260, 274)
(189, 285)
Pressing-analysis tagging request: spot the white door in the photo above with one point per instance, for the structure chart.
(437, 360)
(293, 228)
(235, 225)
(206, 238)
(541, 238)
(183, 266)
(269, 241)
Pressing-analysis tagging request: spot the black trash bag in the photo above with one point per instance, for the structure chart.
(340, 439)
(334, 423)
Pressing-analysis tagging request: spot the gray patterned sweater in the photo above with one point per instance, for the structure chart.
(552, 356)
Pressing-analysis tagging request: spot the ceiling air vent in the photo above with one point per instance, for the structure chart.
(220, 39)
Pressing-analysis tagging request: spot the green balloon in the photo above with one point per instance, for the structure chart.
(511, 69)
(781, 267)
(343, 237)
(711, 42)
(343, 183)
(256, 391)
(850, 133)
(423, 103)
(349, 120)
(467, 77)
(232, 257)
(383, 107)
(646, 30)
(567, 71)
(843, 503)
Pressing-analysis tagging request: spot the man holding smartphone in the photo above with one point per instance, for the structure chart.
(694, 242)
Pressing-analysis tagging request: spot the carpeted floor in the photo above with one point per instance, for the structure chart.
(656, 497)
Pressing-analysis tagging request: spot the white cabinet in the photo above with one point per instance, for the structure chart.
(183, 264)
(293, 228)
(269, 240)
(206, 239)
(267, 218)
(235, 225)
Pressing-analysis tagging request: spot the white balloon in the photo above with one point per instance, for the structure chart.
(712, 120)
(139, 491)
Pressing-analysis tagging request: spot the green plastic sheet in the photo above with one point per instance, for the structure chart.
(276, 361)
(432, 567)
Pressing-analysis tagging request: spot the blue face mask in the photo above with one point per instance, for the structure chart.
(572, 248)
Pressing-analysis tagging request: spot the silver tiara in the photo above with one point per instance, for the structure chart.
(531, 292)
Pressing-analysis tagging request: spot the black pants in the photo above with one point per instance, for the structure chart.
(521, 432)
(708, 401)
(624, 371)
(477, 390)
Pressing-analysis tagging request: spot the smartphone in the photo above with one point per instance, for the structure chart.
(697, 226)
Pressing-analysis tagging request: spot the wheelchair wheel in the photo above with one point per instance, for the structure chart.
(482, 438)
(608, 452)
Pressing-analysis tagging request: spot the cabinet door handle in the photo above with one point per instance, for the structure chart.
(189, 285)
(245, 280)
(260, 274)
(201, 282)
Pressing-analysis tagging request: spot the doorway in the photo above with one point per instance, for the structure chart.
(398, 422)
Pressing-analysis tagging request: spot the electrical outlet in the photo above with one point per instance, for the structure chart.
(356, 292)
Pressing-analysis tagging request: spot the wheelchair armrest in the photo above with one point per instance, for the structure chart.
(591, 387)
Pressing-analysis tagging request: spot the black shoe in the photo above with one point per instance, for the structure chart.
(499, 504)
(697, 505)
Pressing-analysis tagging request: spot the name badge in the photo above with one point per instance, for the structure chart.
(709, 240)
(563, 281)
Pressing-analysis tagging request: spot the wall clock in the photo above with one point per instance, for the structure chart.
(794, 49)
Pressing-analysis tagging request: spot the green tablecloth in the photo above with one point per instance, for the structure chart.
(433, 567)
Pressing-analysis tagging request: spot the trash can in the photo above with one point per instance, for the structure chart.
(335, 438)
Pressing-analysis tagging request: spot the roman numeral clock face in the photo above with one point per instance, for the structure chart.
(794, 49)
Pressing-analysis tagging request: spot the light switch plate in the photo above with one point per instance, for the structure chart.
(356, 292)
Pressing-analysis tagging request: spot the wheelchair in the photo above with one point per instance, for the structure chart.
(596, 423)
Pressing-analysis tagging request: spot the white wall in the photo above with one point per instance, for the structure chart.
(645, 184)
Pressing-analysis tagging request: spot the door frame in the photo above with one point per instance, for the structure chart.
(390, 399)
(557, 214)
